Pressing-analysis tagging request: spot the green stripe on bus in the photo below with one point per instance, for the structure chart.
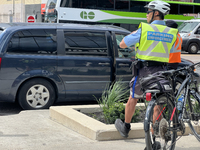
(171, 2)
(178, 17)
(124, 21)
(143, 15)
(125, 14)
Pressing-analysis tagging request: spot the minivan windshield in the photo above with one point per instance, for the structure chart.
(187, 27)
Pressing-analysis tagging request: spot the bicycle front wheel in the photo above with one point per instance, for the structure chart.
(162, 132)
(194, 114)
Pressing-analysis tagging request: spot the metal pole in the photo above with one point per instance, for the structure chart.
(13, 15)
(13, 7)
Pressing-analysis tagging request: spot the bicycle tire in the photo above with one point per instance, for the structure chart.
(194, 123)
(167, 134)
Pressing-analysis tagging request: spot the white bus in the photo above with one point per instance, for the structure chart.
(124, 13)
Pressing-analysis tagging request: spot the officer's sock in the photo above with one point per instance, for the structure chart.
(128, 125)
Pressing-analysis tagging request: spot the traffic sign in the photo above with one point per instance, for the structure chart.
(31, 19)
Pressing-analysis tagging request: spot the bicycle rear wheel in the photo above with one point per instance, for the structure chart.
(194, 114)
(162, 133)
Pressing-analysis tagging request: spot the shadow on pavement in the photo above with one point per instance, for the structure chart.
(9, 108)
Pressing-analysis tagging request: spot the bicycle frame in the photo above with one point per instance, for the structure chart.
(186, 84)
(186, 90)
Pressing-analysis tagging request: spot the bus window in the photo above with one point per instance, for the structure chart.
(50, 13)
(182, 8)
(174, 9)
(65, 3)
(90, 4)
(137, 6)
(105, 4)
(122, 5)
(51, 4)
(196, 9)
(186, 9)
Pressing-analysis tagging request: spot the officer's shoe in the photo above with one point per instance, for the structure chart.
(156, 146)
(120, 126)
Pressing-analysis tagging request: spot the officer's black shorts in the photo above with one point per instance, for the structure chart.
(135, 87)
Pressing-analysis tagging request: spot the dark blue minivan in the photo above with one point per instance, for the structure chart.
(41, 64)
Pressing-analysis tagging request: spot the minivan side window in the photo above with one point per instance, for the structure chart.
(85, 43)
(34, 41)
(128, 52)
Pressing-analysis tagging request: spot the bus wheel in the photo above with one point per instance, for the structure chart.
(193, 48)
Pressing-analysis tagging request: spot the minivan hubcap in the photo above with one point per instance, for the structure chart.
(37, 96)
(194, 48)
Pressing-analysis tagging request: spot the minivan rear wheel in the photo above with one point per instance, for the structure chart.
(36, 94)
(193, 48)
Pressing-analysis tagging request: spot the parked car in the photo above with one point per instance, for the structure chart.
(190, 33)
(41, 64)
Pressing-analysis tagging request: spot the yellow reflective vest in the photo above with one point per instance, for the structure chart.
(155, 42)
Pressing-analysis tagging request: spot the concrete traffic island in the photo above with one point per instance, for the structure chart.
(73, 118)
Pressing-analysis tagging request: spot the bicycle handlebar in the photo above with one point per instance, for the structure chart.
(180, 71)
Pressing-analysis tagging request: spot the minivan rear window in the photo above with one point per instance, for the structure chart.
(85, 43)
(36, 41)
(128, 52)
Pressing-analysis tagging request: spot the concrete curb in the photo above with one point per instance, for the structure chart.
(71, 117)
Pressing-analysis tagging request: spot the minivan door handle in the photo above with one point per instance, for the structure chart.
(105, 64)
(121, 64)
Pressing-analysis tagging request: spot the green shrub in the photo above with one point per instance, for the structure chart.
(112, 100)
(117, 111)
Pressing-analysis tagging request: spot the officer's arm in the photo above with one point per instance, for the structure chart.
(130, 39)
(122, 44)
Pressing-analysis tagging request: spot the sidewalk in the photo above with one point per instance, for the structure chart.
(33, 130)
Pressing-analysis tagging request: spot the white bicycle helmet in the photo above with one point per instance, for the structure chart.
(161, 6)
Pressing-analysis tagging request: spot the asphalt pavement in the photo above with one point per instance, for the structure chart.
(34, 130)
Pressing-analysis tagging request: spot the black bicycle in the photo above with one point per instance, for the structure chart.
(163, 121)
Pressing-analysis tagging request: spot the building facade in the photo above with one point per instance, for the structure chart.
(20, 10)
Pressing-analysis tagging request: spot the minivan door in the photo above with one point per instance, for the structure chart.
(124, 58)
(85, 66)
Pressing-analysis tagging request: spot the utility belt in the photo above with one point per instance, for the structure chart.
(137, 64)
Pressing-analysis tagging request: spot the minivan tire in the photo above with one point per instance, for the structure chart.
(193, 48)
(36, 94)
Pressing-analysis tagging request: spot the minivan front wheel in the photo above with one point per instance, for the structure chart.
(193, 48)
(36, 94)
